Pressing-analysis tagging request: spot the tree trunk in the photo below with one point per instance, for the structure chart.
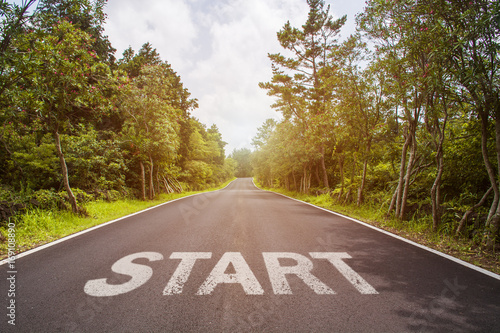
(342, 183)
(493, 224)
(487, 163)
(309, 180)
(143, 181)
(316, 174)
(492, 231)
(323, 167)
(463, 221)
(409, 167)
(151, 180)
(435, 192)
(64, 169)
(436, 187)
(396, 204)
(304, 180)
(348, 197)
(393, 201)
(362, 186)
(168, 188)
(497, 146)
(363, 178)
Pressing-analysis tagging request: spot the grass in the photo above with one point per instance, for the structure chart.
(417, 230)
(38, 227)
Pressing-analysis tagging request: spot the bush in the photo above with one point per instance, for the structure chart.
(49, 199)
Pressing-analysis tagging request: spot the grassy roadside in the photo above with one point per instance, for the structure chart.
(421, 233)
(38, 227)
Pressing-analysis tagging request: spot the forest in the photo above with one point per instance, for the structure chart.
(78, 124)
(403, 115)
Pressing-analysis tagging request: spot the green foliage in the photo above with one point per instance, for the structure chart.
(242, 157)
(86, 15)
(97, 162)
(39, 226)
(409, 125)
(73, 119)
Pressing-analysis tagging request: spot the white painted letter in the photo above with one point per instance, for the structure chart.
(335, 258)
(183, 271)
(243, 275)
(277, 273)
(140, 274)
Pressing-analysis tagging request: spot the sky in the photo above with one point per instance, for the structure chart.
(219, 49)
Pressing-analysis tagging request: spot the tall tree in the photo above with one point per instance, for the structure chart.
(86, 15)
(398, 33)
(297, 80)
(243, 157)
(471, 47)
(151, 121)
(359, 98)
(14, 23)
(65, 84)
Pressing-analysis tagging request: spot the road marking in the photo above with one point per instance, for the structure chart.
(183, 271)
(277, 273)
(243, 275)
(336, 260)
(140, 274)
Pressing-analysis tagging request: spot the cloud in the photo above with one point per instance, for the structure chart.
(219, 48)
(167, 25)
(241, 35)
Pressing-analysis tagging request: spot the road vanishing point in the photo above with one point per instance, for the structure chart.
(243, 260)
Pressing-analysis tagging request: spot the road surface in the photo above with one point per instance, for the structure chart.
(238, 260)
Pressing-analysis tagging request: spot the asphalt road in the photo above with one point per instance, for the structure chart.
(241, 259)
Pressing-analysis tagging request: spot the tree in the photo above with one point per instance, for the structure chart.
(151, 122)
(300, 88)
(132, 63)
(402, 45)
(359, 99)
(85, 15)
(471, 49)
(64, 84)
(14, 22)
(243, 159)
(218, 144)
(261, 156)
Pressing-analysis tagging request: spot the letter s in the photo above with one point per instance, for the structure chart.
(140, 274)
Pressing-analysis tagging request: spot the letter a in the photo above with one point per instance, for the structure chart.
(243, 275)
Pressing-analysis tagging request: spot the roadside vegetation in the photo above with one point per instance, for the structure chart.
(399, 123)
(418, 230)
(82, 130)
(39, 226)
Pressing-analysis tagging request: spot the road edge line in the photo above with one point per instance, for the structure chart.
(447, 256)
(76, 234)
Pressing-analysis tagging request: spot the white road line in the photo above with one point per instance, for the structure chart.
(42, 247)
(461, 262)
